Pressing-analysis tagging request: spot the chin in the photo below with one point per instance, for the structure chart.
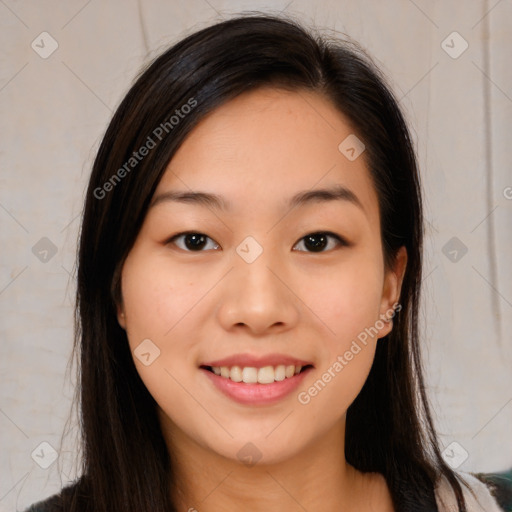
(250, 451)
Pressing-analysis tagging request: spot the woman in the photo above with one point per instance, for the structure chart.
(248, 286)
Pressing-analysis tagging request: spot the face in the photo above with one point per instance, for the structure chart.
(285, 299)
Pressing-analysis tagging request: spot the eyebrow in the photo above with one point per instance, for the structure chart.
(217, 202)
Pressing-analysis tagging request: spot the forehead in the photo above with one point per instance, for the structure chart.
(264, 146)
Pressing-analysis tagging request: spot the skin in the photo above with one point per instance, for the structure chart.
(196, 306)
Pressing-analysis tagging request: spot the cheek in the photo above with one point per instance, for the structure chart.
(157, 306)
(347, 352)
(155, 298)
(347, 300)
(161, 304)
(348, 303)
(337, 384)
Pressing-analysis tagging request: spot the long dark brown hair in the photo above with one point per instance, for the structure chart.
(126, 465)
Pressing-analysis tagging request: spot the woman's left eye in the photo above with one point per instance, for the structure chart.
(314, 242)
(318, 241)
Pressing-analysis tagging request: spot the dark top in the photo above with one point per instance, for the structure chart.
(499, 485)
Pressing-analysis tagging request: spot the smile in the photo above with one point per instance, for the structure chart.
(256, 380)
(253, 375)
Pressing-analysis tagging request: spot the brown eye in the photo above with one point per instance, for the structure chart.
(317, 242)
(193, 242)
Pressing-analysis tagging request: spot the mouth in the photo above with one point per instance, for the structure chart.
(258, 375)
(257, 380)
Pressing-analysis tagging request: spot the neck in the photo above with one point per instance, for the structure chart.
(317, 478)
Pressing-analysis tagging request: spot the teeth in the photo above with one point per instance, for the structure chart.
(279, 373)
(251, 375)
(236, 374)
(266, 375)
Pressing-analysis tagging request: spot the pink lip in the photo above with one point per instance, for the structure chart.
(256, 394)
(244, 360)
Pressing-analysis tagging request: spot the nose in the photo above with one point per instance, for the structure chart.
(257, 297)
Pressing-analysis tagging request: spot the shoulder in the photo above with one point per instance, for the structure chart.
(72, 495)
(491, 492)
(500, 486)
(52, 504)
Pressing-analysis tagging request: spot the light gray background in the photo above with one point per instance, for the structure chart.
(54, 111)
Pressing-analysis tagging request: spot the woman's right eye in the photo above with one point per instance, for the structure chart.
(192, 241)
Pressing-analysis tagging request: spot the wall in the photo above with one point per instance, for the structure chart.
(54, 110)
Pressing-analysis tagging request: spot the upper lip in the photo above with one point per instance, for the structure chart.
(254, 361)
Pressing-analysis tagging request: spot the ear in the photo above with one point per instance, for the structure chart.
(121, 320)
(391, 291)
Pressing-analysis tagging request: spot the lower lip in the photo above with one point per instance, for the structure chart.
(256, 394)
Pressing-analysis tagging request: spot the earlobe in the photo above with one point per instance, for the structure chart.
(120, 317)
(391, 291)
(399, 271)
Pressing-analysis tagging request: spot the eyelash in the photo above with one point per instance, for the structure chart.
(341, 241)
